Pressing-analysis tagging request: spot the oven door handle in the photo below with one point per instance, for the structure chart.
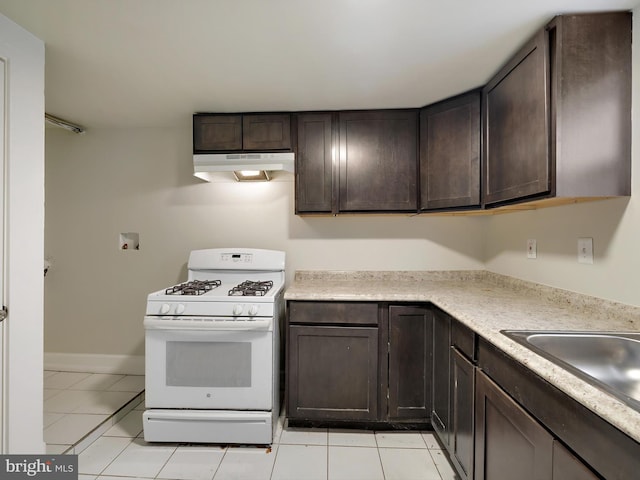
(207, 325)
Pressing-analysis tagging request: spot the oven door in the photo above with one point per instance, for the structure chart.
(204, 364)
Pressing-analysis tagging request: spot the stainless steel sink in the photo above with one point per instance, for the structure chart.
(610, 361)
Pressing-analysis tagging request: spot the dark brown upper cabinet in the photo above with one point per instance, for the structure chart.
(314, 163)
(214, 132)
(356, 161)
(266, 132)
(557, 116)
(517, 125)
(378, 161)
(450, 153)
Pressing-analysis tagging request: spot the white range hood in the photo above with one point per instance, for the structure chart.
(204, 165)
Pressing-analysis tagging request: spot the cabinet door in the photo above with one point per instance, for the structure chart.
(441, 374)
(266, 132)
(450, 153)
(566, 466)
(378, 161)
(509, 442)
(462, 412)
(213, 132)
(516, 136)
(314, 163)
(333, 373)
(410, 344)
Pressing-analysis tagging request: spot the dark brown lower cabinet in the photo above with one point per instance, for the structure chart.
(509, 442)
(359, 363)
(441, 375)
(333, 373)
(452, 415)
(462, 413)
(410, 337)
(566, 466)
(592, 443)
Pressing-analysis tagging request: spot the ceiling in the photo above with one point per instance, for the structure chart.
(152, 63)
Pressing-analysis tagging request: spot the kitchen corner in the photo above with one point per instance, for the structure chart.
(487, 303)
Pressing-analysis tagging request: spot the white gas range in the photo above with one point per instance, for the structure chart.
(212, 350)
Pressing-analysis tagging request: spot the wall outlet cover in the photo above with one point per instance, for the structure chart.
(532, 248)
(585, 250)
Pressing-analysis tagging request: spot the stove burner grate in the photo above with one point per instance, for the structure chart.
(194, 287)
(251, 289)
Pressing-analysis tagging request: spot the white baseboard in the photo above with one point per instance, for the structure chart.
(94, 363)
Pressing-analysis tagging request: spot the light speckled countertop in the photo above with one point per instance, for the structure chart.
(488, 303)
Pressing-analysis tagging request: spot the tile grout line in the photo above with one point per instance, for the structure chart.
(327, 440)
(167, 460)
(438, 468)
(277, 441)
(107, 423)
(384, 475)
(275, 459)
(219, 464)
(108, 464)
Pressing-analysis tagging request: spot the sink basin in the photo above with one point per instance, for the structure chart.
(609, 361)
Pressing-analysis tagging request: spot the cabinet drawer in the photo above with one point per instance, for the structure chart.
(464, 339)
(333, 313)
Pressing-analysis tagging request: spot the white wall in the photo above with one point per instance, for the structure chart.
(111, 181)
(614, 226)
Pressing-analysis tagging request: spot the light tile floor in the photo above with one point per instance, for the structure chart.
(79, 407)
(297, 454)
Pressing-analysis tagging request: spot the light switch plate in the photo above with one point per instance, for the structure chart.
(585, 250)
(532, 248)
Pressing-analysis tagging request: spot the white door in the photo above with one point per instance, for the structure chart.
(22, 238)
(3, 113)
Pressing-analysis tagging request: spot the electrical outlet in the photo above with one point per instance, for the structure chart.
(585, 250)
(532, 248)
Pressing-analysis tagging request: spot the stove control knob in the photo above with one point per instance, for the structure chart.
(180, 309)
(237, 309)
(253, 310)
(164, 309)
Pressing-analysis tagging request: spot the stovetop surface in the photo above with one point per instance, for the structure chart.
(218, 293)
(247, 288)
(220, 272)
